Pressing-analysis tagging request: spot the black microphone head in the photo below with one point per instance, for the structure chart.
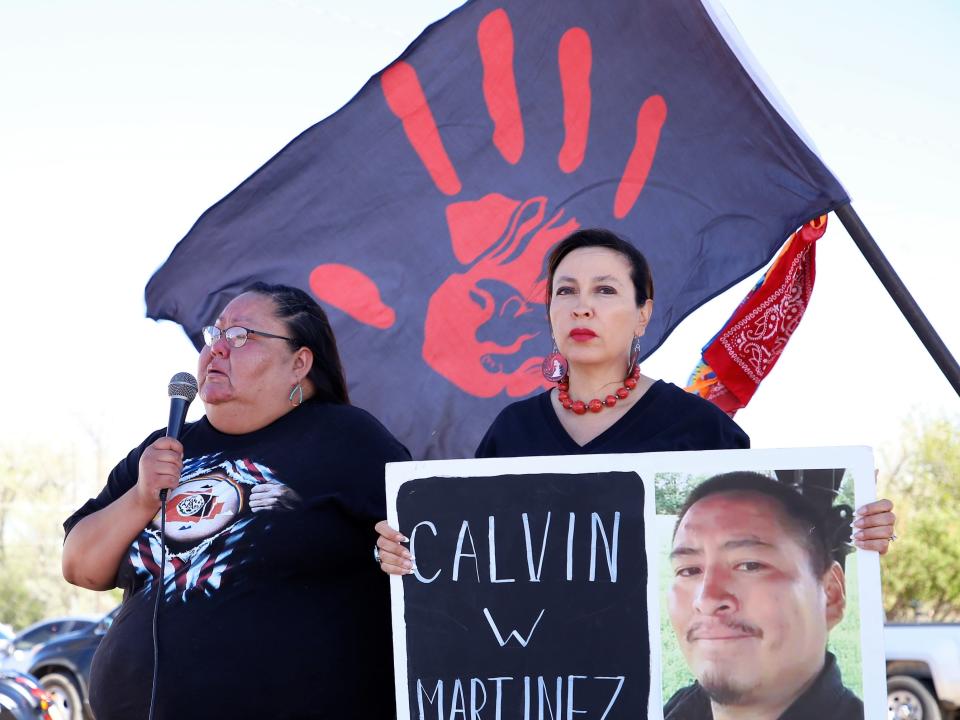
(183, 385)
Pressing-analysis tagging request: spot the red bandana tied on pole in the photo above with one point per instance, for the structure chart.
(744, 352)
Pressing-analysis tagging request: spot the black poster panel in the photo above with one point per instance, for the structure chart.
(530, 597)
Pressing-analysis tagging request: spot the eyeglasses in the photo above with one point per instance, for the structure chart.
(235, 336)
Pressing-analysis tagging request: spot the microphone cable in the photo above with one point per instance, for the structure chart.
(156, 601)
(181, 391)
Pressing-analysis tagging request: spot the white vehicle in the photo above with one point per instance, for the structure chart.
(923, 671)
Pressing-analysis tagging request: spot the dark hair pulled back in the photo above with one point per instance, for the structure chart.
(309, 327)
(599, 237)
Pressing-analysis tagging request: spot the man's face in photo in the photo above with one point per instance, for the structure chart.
(749, 612)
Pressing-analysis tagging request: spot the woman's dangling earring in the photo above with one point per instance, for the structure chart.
(633, 363)
(298, 392)
(554, 365)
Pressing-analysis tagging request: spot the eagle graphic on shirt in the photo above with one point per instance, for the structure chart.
(207, 517)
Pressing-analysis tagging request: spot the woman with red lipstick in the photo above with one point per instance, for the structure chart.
(265, 608)
(599, 304)
(600, 300)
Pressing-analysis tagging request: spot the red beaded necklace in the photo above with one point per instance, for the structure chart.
(596, 405)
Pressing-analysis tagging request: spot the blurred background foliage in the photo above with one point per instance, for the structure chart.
(921, 573)
(39, 488)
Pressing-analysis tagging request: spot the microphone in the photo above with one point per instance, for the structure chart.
(181, 390)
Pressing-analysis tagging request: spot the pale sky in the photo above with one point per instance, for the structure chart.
(120, 123)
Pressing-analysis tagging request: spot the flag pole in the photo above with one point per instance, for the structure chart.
(901, 296)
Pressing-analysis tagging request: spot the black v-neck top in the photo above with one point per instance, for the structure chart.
(665, 418)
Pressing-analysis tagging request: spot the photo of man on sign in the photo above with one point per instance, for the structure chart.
(757, 585)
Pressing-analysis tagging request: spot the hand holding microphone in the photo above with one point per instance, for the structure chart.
(162, 461)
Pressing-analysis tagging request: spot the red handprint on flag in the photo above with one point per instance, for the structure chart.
(499, 242)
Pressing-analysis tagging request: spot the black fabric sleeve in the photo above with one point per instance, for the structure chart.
(710, 427)
(729, 435)
(357, 462)
(488, 446)
(123, 477)
(740, 439)
(724, 435)
(335, 528)
(513, 421)
(326, 533)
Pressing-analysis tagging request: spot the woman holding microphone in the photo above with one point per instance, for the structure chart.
(265, 607)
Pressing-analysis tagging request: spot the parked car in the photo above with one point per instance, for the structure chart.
(22, 698)
(18, 653)
(63, 667)
(923, 670)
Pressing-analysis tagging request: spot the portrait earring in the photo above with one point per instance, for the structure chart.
(298, 393)
(554, 365)
(633, 363)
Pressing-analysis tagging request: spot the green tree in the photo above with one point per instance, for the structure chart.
(19, 606)
(38, 490)
(921, 574)
(671, 490)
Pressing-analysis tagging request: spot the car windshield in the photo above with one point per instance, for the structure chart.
(36, 636)
(47, 631)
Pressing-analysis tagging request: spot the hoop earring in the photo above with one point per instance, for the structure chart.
(298, 391)
(633, 359)
(554, 366)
